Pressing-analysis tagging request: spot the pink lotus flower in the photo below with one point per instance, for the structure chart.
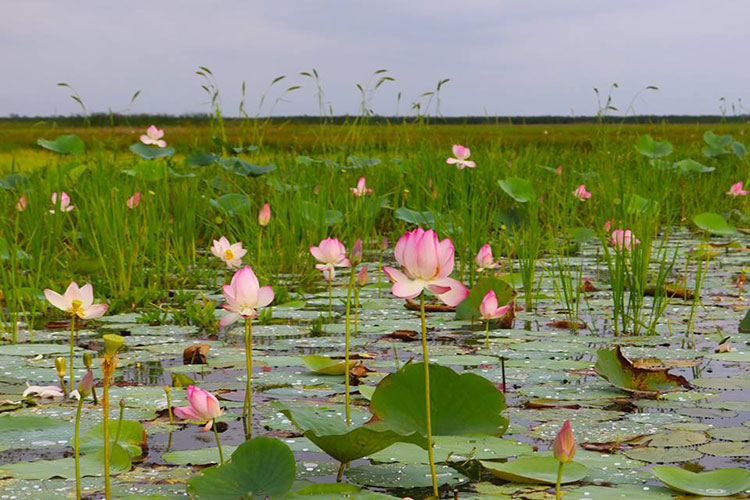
(361, 189)
(356, 256)
(426, 263)
(153, 137)
(484, 259)
(331, 253)
(623, 239)
(736, 190)
(564, 446)
(230, 253)
(21, 205)
(384, 244)
(607, 226)
(461, 154)
(77, 301)
(204, 407)
(489, 309)
(581, 194)
(362, 276)
(244, 295)
(134, 200)
(43, 391)
(264, 216)
(558, 170)
(65, 205)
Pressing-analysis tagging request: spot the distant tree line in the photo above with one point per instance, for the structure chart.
(141, 120)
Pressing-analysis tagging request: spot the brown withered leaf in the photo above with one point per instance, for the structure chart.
(430, 307)
(403, 335)
(196, 354)
(613, 366)
(566, 324)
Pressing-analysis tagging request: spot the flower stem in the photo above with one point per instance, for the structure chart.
(558, 493)
(105, 423)
(356, 310)
(260, 238)
(72, 340)
(340, 475)
(352, 276)
(487, 333)
(119, 421)
(76, 447)
(428, 418)
(169, 404)
(247, 410)
(330, 297)
(218, 443)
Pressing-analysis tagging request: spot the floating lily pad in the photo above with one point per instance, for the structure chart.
(403, 476)
(715, 483)
(536, 470)
(325, 365)
(726, 449)
(663, 455)
(454, 449)
(92, 464)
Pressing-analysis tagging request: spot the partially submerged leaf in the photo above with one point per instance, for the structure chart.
(619, 371)
(715, 483)
(325, 365)
(536, 470)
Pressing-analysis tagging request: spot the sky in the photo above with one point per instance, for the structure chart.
(506, 58)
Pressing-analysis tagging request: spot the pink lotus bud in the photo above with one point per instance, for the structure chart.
(356, 256)
(607, 226)
(134, 200)
(623, 239)
(558, 170)
(384, 244)
(362, 276)
(581, 194)
(564, 447)
(204, 407)
(484, 259)
(264, 216)
(86, 384)
(21, 205)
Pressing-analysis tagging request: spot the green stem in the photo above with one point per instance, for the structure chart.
(119, 421)
(340, 475)
(330, 297)
(72, 340)
(218, 443)
(76, 447)
(352, 276)
(487, 333)
(428, 418)
(105, 423)
(558, 493)
(356, 310)
(260, 238)
(169, 405)
(247, 410)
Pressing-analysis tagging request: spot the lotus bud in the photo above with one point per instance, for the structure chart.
(564, 447)
(356, 257)
(60, 366)
(87, 360)
(122, 403)
(264, 216)
(384, 244)
(86, 384)
(362, 276)
(112, 343)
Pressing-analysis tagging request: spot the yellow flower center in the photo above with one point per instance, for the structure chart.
(228, 255)
(76, 307)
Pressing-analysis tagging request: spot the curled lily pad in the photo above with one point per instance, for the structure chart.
(460, 404)
(715, 483)
(536, 470)
(619, 371)
(325, 365)
(346, 442)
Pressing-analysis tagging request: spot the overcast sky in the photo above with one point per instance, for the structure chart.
(502, 57)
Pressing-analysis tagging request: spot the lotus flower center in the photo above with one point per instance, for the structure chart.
(76, 306)
(228, 255)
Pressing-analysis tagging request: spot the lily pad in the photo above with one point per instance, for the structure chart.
(619, 371)
(261, 467)
(403, 476)
(536, 470)
(64, 144)
(460, 404)
(714, 224)
(715, 483)
(92, 464)
(519, 189)
(325, 365)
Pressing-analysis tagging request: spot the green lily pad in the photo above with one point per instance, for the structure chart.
(325, 365)
(651, 148)
(151, 152)
(403, 476)
(92, 464)
(536, 470)
(337, 490)
(663, 455)
(714, 224)
(132, 437)
(261, 467)
(64, 144)
(460, 404)
(519, 189)
(715, 483)
(726, 449)
(345, 443)
(200, 456)
(739, 433)
(454, 449)
(677, 439)
(469, 308)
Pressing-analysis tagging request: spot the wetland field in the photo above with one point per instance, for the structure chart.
(222, 309)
